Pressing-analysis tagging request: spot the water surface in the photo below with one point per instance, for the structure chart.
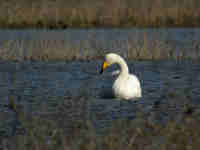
(42, 86)
(91, 43)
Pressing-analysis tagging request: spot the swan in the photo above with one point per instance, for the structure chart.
(126, 86)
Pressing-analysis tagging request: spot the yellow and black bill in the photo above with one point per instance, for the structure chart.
(103, 67)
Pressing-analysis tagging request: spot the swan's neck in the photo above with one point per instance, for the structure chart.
(123, 67)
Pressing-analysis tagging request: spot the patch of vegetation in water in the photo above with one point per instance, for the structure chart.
(60, 131)
(92, 49)
(135, 134)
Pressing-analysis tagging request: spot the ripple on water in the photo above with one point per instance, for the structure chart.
(46, 84)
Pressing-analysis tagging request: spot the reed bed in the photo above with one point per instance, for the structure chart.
(91, 48)
(63, 14)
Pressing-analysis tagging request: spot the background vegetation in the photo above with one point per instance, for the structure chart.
(90, 13)
(92, 49)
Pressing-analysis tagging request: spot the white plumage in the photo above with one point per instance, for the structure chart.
(126, 86)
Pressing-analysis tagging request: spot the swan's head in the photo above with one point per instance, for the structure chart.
(110, 59)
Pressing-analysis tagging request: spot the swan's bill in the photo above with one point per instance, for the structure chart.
(103, 67)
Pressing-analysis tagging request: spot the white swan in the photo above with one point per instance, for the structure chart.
(126, 86)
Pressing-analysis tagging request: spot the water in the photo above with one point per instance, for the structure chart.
(39, 83)
(93, 42)
(43, 86)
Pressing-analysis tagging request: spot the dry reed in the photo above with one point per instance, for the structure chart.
(62, 14)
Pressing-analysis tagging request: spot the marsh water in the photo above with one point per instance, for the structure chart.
(42, 85)
(131, 43)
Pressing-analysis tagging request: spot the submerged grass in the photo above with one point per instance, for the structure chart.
(60, 131)
(89, 13)
(137, 134)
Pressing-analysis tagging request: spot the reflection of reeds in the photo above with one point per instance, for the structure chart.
(59, 14)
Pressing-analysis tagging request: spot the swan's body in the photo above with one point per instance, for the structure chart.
(126, 86)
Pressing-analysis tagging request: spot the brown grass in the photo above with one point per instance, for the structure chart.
(89, 13)
(134, 48)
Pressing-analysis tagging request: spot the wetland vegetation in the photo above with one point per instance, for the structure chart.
(58, 130)
(93, 44)
(50, 90)
(90, 13)
(37, 116)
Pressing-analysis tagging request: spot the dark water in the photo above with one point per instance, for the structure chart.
(43, 86)
(39, 84)
(173, 34)
(41, 80)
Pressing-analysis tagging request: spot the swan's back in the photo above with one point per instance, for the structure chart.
(127, 87)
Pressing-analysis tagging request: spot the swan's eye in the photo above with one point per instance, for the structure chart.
(104, 66)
